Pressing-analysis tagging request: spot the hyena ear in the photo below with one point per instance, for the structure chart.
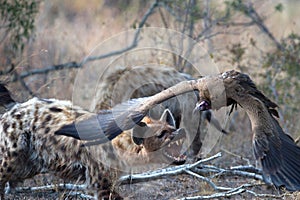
(138, 133)
(6, 100)
(168, 117)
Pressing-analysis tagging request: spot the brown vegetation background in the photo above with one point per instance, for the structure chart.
(68, 31)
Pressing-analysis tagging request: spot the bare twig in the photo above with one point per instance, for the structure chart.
(64, 186)
(26, 87)
(251, 13)
(265, 195)
(234, 191)
(74, 64)
(259, 22)
(236, 155)
(134, 42)
(206, 169)
(136, 177)
(46, 70)
(216, 195)
(251, 23)
(163, 18)
(215, 34)
(208, 180)
(248, 168)
(239, 173)
(9, 70)
(193, 169)
(78, 194)
(171, 12)
(163, 172)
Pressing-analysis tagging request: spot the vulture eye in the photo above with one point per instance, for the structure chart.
(203, 105)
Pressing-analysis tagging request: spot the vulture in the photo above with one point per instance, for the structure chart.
(273, 148)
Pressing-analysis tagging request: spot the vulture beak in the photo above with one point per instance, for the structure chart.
(202, 106)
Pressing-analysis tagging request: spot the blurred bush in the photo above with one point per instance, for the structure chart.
(17, 18)
(282, 74)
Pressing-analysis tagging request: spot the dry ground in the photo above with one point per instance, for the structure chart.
(69, 30)
(183, 185)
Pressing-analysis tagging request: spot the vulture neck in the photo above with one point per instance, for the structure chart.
(259, 115)
(178, 89)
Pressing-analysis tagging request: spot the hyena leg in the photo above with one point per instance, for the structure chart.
(2, 189)
(101, 181)
(107, 191)
(5, 173)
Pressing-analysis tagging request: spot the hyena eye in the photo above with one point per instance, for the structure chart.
(162, 134)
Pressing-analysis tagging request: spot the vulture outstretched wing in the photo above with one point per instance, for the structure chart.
(280, 158)
(106, 125)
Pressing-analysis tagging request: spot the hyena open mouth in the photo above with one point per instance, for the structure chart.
(173, 150)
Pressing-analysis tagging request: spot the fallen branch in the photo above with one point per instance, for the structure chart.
(166, 171)
(235, 191)
(77, 194)
(194, 169)
(232, 171)
(208, 180)
(134, 177)
(248, 168)
(216, 195)
(55, 187)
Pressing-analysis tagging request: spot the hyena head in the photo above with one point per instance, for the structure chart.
(160, 135)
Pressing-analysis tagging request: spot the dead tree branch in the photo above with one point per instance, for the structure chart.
(234, 191)
(259, 22)
(206, 169)
(63, 186)
(134, 42)
(75, 64)
(26, 87)
(163, 172)
(249, 11)
(196, 169)
(78, 194)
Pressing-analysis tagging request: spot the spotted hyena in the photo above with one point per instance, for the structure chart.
(29, 146)
(135, 82)
(150, 142)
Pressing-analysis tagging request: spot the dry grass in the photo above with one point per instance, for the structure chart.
(69, 30)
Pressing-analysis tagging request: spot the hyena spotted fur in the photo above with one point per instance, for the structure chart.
(29, 146)
(135, 82)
